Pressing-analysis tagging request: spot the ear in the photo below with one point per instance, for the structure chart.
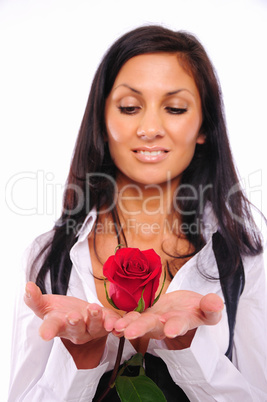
(201, 139)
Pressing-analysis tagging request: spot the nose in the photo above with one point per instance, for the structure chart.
(150, 126)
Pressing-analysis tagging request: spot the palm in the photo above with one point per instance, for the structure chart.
(69, 317)
(175, 314)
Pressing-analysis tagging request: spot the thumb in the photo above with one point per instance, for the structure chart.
(212, 305)
(34, 299)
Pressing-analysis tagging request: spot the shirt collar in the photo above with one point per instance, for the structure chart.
(210, 222)
(87, 225)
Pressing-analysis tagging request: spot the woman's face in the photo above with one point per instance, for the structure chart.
(153, 117)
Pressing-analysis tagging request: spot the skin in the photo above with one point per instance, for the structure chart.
(153, 96)
(154, 104)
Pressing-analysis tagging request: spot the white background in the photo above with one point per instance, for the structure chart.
(49, 51)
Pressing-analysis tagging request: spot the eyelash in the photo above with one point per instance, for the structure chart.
(175, 110)
(130, 110)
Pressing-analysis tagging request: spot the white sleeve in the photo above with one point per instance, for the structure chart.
(205, 373)
(45, 371)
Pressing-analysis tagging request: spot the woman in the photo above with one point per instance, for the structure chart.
(152, 168)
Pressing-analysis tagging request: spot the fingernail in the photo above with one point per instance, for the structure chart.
(94, 313)
(171, 336)
(72, 322)
(120, 329)
(116, 333)
(27, 293)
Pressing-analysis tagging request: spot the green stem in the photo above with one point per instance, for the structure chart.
(115, 370)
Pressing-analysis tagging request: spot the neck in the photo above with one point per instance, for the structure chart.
(147, 210)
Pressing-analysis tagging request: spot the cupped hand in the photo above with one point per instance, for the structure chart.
(176, 315)
(69, 317)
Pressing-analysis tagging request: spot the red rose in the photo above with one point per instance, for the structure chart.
(130, 272)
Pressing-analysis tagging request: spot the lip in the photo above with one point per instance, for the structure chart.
(150, 154)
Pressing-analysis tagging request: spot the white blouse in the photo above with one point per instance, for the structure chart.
(45, 371)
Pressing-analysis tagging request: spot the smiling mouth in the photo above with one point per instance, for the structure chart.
(151, 153)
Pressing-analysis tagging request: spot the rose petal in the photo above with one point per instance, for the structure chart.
(126, 256)
(130, 284)
(129, 271)
(122, 299)
(110, 267)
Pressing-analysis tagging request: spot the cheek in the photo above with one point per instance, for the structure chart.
(188, 132)
(114, 133)
(117, 130)
(118, 141)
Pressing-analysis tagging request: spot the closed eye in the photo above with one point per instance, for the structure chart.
(128, 109)
(175, 110)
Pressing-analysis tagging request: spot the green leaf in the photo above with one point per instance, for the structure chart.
(141, 304)
(138, 389)
(108, 298)
(158, 296)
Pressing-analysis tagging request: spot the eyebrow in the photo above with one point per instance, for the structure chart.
(131, 89)
(167, 94)
(177, 91)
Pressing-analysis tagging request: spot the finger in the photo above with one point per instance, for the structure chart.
(34, 299)
(94, 308)
(52, 326)
(125, 321)
(94, 322)
(75, 328)
(146, 323)
(110, 320)
(100, 319)
(211, 306)
(71, 326)
(176, 326)
(73, 318)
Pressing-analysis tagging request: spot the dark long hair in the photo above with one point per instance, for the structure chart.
(89, 185)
